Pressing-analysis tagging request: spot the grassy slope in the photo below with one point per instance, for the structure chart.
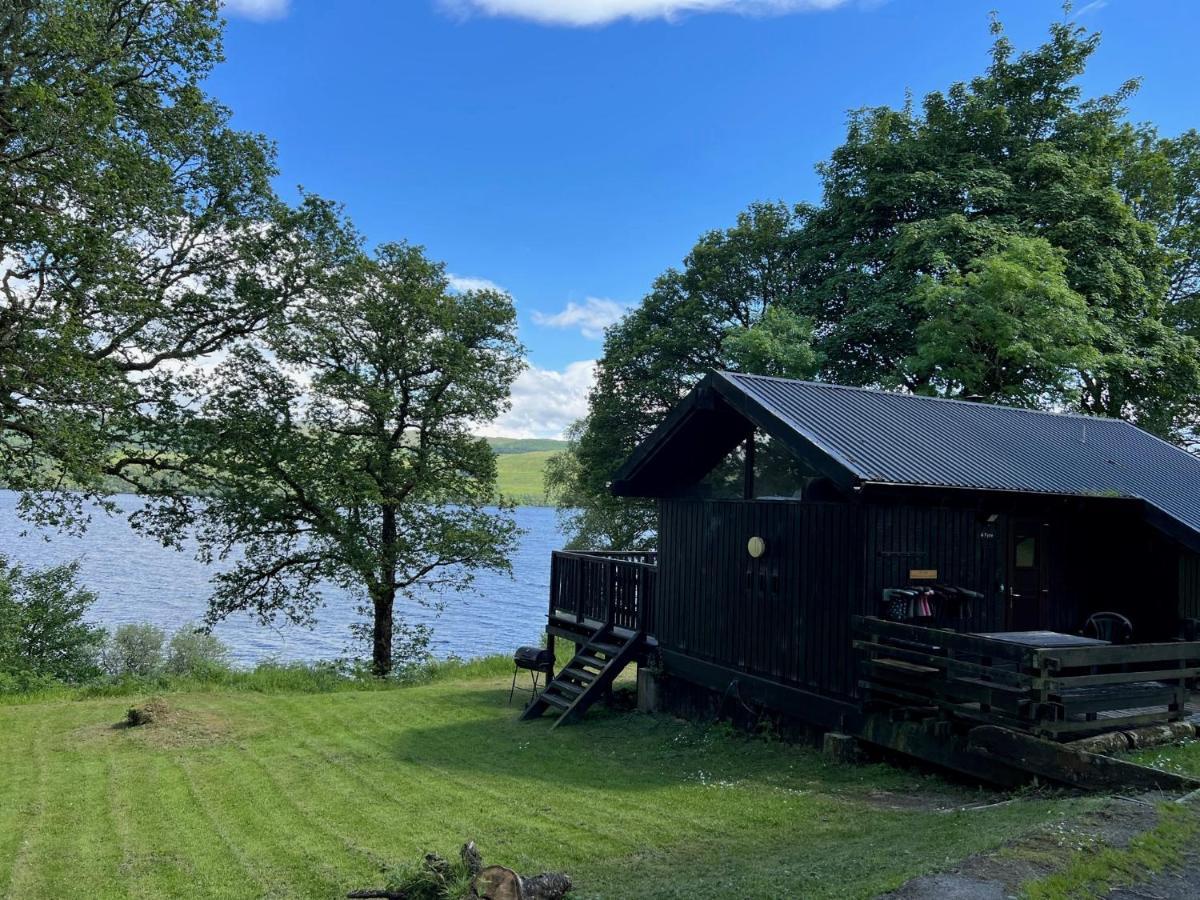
(249, 794)
(521, 463)
(521, 475)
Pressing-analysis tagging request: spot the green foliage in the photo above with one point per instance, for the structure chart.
(780, 345)
(1006, 237)
(135, 650)
(365, 471)
(138, 231)
(43, 635)
(1010, 330)
(434, 878)
(193, 651)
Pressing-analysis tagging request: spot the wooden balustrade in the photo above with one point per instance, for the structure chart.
(1057, 692)
(611, 588)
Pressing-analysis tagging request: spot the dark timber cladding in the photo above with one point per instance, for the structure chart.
(784, 616)
(1030, 521)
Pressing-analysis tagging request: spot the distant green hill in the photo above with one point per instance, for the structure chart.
(525, 445)
(522, 463)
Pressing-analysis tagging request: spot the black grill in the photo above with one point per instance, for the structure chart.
(536, 659)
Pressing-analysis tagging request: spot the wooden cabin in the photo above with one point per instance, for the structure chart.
(798, 521)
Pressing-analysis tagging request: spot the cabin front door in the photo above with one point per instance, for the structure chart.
(1027, 575)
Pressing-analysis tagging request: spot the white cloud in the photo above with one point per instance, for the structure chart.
(463, 283)
(602, 12)
(545, 402)
(591, 317)
(259, 10)
(1094, 6)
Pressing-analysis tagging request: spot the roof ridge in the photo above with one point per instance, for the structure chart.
(910, 396)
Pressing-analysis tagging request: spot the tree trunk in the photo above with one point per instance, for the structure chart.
(381, 649)
(383, 597)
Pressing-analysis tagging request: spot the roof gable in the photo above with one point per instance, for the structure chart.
(858, 436)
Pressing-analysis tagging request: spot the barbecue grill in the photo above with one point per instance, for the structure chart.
(537, 661)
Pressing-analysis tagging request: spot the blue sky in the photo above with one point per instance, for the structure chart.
(571, 150)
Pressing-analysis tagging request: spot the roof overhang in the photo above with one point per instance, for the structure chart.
(704, 428)
(718, 415)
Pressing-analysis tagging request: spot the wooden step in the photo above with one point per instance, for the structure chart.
(570, 689)
(606, 649)
(578, 674)
(556, 700)
(589, 660)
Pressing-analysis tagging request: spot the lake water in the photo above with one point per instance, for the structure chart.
(137, 580)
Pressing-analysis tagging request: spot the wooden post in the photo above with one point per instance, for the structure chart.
(748, 487)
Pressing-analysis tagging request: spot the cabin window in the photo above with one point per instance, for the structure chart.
(1025, 556)
(777, 475)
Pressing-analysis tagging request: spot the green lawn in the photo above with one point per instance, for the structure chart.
(243, 794)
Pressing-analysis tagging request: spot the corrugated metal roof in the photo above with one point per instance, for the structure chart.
(902, 439)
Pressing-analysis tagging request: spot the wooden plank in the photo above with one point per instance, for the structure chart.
(1105, 723)
(951, 665)
(940, 637)
(1120, 654)
(806, 705)
(1069, 681)
(1071, 766)
(948, 751)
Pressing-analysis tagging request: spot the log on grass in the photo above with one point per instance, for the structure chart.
(501, 883)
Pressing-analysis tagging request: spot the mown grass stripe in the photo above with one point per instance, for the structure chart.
(24, 794)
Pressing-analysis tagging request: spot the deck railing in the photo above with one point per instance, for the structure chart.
(1057, 692)
(607, 587)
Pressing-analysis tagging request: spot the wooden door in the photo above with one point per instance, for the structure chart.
(1028, 579)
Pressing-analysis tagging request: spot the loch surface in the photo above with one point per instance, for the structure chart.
(138, 580)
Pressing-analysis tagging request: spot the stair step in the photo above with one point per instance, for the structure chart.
(573, 690)
(555, 700)
(589, 660)
(610, 649)
(580, 674)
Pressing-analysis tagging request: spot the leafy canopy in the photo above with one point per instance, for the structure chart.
(1006, 239)
(138, 231)
(337, 450)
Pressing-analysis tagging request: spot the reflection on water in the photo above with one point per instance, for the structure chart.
(137, 580)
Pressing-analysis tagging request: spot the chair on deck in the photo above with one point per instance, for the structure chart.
(1108, 626)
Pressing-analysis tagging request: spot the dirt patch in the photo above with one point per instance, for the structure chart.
(1000, 873)
(1173, 884)
(918, 801)
(153, 710)
(159, 725)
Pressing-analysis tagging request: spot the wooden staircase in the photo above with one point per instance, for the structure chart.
(587, 676)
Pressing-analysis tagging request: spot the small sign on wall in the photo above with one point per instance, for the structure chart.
(922, 574)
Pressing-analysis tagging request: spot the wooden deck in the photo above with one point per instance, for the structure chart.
(1060, 692)
(603, 603)
(595, 589)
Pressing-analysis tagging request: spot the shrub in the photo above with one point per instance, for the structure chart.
(135, 650)
(196, 653)
(43, 636)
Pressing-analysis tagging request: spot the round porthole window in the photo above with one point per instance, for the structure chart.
(756, 547)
